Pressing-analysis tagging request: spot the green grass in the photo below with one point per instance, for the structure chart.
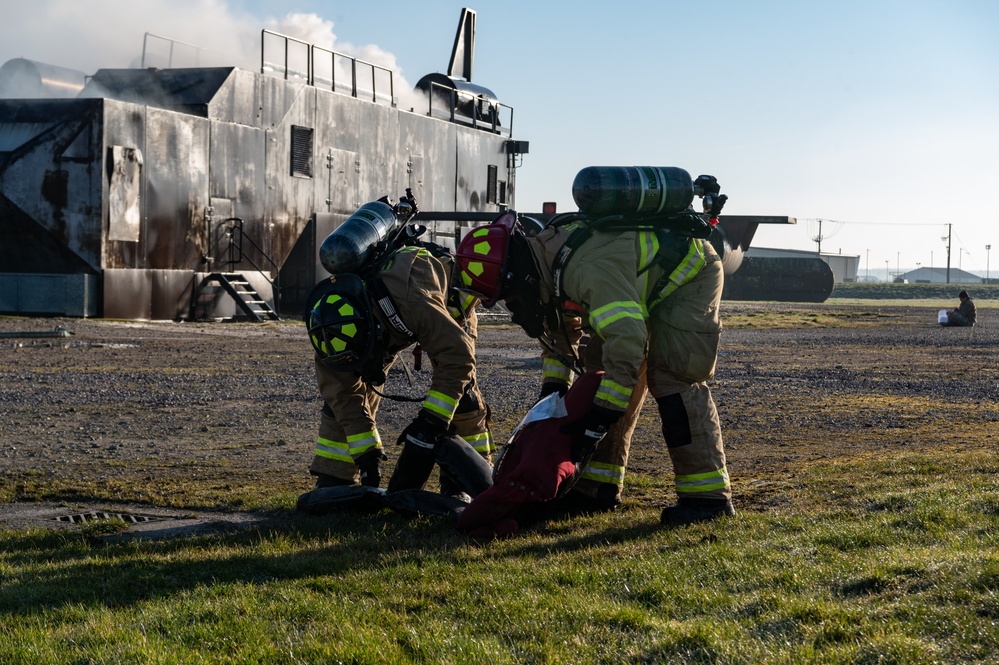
(885, 559)
(986, 294)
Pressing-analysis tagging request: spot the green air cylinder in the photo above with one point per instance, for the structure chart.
(350, 245)
(630, 190)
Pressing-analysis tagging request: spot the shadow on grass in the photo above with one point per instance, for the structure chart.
(45, 570)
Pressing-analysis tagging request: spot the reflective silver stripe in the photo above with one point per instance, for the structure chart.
(441, 404)
(604, 473)
(483, 443)
(614, 393)
(359, 443)
(554, 369)
(688, 268)
(602, 317)
(332, 450)
(703, 482)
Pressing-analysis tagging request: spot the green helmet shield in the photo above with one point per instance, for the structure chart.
(340, 323)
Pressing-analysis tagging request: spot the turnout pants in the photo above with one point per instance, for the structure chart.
(684, 332)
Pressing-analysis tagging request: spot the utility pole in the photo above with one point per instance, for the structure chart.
(818, 238)
(948, 251)
(868, 264)
(987, 249)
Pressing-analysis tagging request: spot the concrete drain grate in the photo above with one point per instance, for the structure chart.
(96, 516)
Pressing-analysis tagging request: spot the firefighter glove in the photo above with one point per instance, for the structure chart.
(589, 430)
(368, 462)
(549, 387)
(717, 203)
(425, 431)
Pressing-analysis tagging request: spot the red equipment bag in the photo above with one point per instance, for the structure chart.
(536, 467)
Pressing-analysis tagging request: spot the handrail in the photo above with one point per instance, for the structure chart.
(233, 227)
(334, 57)
(482, 111)
(283, 66)
(198, 50)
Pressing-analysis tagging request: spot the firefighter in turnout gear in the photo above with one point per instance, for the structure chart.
(357, 328)
(650, 298)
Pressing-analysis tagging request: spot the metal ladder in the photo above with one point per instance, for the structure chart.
(246, 297)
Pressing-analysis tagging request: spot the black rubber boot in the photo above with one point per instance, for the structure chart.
(693, 510)
(413, 468)
(576, 503)
(323, 480)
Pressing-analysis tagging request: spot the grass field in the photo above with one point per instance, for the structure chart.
(878, 554)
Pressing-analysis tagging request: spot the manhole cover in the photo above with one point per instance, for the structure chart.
(96, 516)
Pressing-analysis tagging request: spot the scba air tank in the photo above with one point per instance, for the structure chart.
(632, 190)
(350, 245)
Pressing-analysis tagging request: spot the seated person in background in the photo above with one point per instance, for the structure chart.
(963, 314)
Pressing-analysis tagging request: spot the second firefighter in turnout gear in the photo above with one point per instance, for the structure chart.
(650, 297)
(357, 328)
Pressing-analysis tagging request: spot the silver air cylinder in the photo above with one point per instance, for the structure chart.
(350, 245)
(628, 190)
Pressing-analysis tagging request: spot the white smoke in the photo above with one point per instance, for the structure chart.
(98, 34)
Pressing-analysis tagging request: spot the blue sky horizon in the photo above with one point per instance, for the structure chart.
(881, 118)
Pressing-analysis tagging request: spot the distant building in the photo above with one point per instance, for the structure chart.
(843, 266)
(939, 276)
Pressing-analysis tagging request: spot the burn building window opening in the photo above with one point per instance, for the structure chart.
(301, 151)
(493, 194)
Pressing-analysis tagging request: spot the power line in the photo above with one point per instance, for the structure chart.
(903, 224)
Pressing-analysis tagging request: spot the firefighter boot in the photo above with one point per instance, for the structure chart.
(606, 499)
(326, 480)
(690, 510)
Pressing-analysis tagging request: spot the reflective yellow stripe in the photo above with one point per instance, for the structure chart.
(464, 307)
(441, 404)
(332, 450)
(604, 473)
(602, 317)
(614, 393)
(359, 443)
(648, 247)
(703, 482)
(690, 266)
(554, 370)
(483, 443)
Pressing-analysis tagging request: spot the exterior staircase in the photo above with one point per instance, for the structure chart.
(247, 299)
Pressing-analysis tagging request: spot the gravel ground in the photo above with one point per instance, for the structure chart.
(223, 415)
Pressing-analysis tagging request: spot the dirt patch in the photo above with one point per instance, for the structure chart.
(223, 416)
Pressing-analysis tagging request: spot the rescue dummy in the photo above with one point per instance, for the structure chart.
(537, 466)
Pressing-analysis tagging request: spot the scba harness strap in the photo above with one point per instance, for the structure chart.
(680, 253)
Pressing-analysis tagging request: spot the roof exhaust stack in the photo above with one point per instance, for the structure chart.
(464, 46)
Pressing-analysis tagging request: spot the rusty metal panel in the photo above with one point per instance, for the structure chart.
(258, 101)
(172, 292)
(35, 293)
(128, 294)
(291, 196)
(176, 191)
(476, 152)
(381, 166)
(236, 172)
(51, 178)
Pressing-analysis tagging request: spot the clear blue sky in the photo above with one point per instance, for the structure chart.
(881, 117)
